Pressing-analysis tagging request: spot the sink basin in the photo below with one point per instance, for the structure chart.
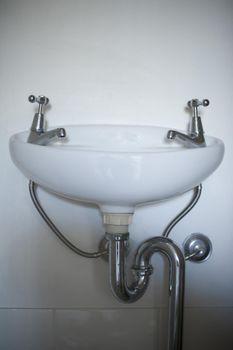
(116, 167)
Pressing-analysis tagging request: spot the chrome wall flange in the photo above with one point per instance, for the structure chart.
(197, 248)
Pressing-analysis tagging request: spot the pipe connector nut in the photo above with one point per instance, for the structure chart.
(117, 223)
(142, 271)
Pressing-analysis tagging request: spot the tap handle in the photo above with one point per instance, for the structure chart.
(205, 102)
(42, 100)
(195, 103)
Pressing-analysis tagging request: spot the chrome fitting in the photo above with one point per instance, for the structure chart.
(38, 135)
(141, 271)
(195, 136)
(197, 248)
(117, 236)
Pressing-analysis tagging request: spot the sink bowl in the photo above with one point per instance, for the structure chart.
(116, 167)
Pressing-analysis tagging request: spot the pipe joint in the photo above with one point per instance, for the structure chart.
(117, 236)
(142, 271)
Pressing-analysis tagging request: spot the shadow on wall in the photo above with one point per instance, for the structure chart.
(205, 328)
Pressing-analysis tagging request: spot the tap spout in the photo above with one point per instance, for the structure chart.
(46, 137)
(190, 141)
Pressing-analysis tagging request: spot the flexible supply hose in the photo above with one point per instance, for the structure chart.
(55, 230)
(32, 190)
(197, 193)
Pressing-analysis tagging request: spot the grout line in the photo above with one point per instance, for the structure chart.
(54, 309)
(209, 307)
(76, 308)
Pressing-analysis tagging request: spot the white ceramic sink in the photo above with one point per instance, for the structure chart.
(116, 167)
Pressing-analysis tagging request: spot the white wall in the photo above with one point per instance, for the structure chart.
(130, 62)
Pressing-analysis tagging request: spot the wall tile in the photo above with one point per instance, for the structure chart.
(208, 328)
(105, 329)
(204, 329)
(26, 329)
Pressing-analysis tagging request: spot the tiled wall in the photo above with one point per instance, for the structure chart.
(84, 329)
(108, 61)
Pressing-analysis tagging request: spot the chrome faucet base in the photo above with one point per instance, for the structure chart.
(189, 141)
(45, 138)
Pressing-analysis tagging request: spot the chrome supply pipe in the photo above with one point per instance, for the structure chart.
(142, 270)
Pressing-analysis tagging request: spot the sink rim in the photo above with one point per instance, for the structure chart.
(166, 145)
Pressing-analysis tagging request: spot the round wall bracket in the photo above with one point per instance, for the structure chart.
(197, 247)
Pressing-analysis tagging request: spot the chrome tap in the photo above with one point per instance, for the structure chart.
(195, 137)
(38, 135)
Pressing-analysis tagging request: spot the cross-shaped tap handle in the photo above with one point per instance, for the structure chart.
(195, 103)
(42, 100)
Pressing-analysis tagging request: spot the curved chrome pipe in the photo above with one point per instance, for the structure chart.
(117, 270)
(176, 261)
(142, 270)
(196, 195)
(55, 230)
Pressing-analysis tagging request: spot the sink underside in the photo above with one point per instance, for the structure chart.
(116, 167)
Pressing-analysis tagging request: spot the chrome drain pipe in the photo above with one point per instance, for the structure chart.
(117, 270)
(142, 270)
